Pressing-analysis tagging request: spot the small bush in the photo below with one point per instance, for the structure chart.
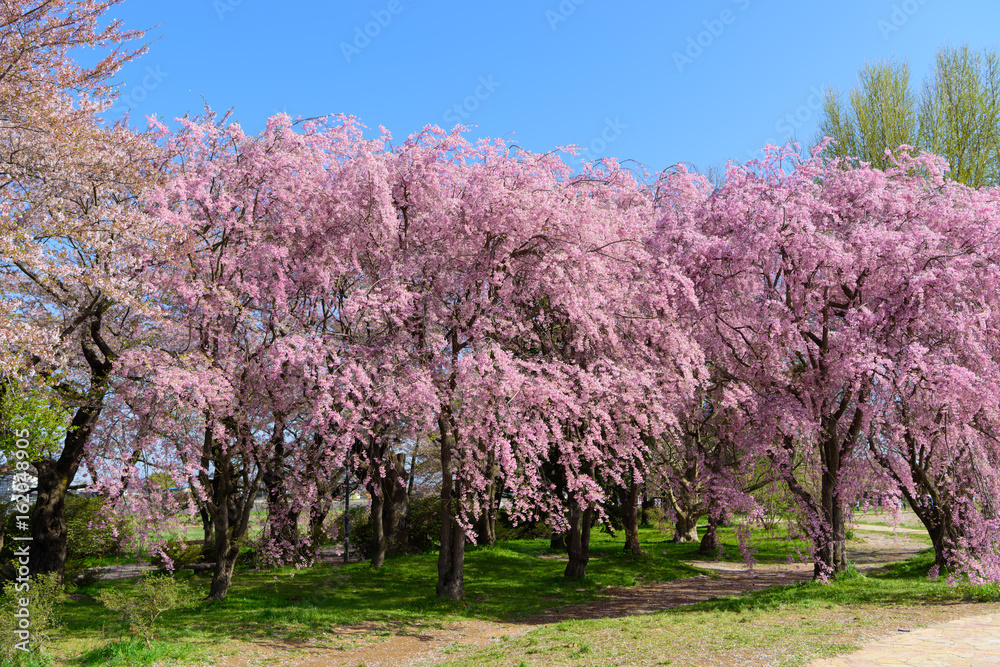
(506, 530)
(361, 530)
(42, 594)
(655, 516)
(851, 572)
(180, 554)
(140, 607)
(130, 654)
(423, 524)
(90, 533)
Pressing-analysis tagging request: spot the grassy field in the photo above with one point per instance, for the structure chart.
(511, 582)
(787, 626)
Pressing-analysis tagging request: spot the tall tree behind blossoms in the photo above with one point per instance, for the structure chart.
(71, 239)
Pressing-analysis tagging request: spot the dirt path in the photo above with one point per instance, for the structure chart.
(427, 646)
(888, 529)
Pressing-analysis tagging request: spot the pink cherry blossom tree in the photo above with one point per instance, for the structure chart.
(70, 301)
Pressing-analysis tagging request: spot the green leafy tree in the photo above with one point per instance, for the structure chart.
(960, 114)
(956, 115)
(880, 114)
(32, 410)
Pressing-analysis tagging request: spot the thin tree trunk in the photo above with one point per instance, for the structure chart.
(486, 526)
(282, 519)
(451, 558)
(558, 540)
(390, 503)
(379, 543)
(629, 499)
(207, 526)
(578, 543)
(317, 517)
(710, 544)
(940, 527)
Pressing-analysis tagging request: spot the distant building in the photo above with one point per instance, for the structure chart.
(7, 492)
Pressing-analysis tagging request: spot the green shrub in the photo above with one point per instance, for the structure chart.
(139, 608)
(91, 534)
(180, 554)
(423, 524)
(44, 591)
(981, 592)
(529, 530)
(655, 516)
(361, 530)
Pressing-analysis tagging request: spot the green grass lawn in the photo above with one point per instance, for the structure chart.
(789, 625)
(508, 582)
(512, 581)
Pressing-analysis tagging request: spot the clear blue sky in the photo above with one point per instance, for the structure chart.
(657, 82)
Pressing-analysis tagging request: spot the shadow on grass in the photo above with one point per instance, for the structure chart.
(512, 581)
(904, 583)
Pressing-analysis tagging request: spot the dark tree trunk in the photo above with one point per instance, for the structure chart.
(487, 523)
(686, 527)
(230, 506)
(282, 519)
(926, 502)
(451, 558)
(227, 551)
(832, 556)
(629, 499)
(390, 503)
(379, 543)
(939, 524)
(710, 544)
(48, 520)
(317, 517)
(830, 547)
(207, 526)
(558, 540)
(578, 542)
